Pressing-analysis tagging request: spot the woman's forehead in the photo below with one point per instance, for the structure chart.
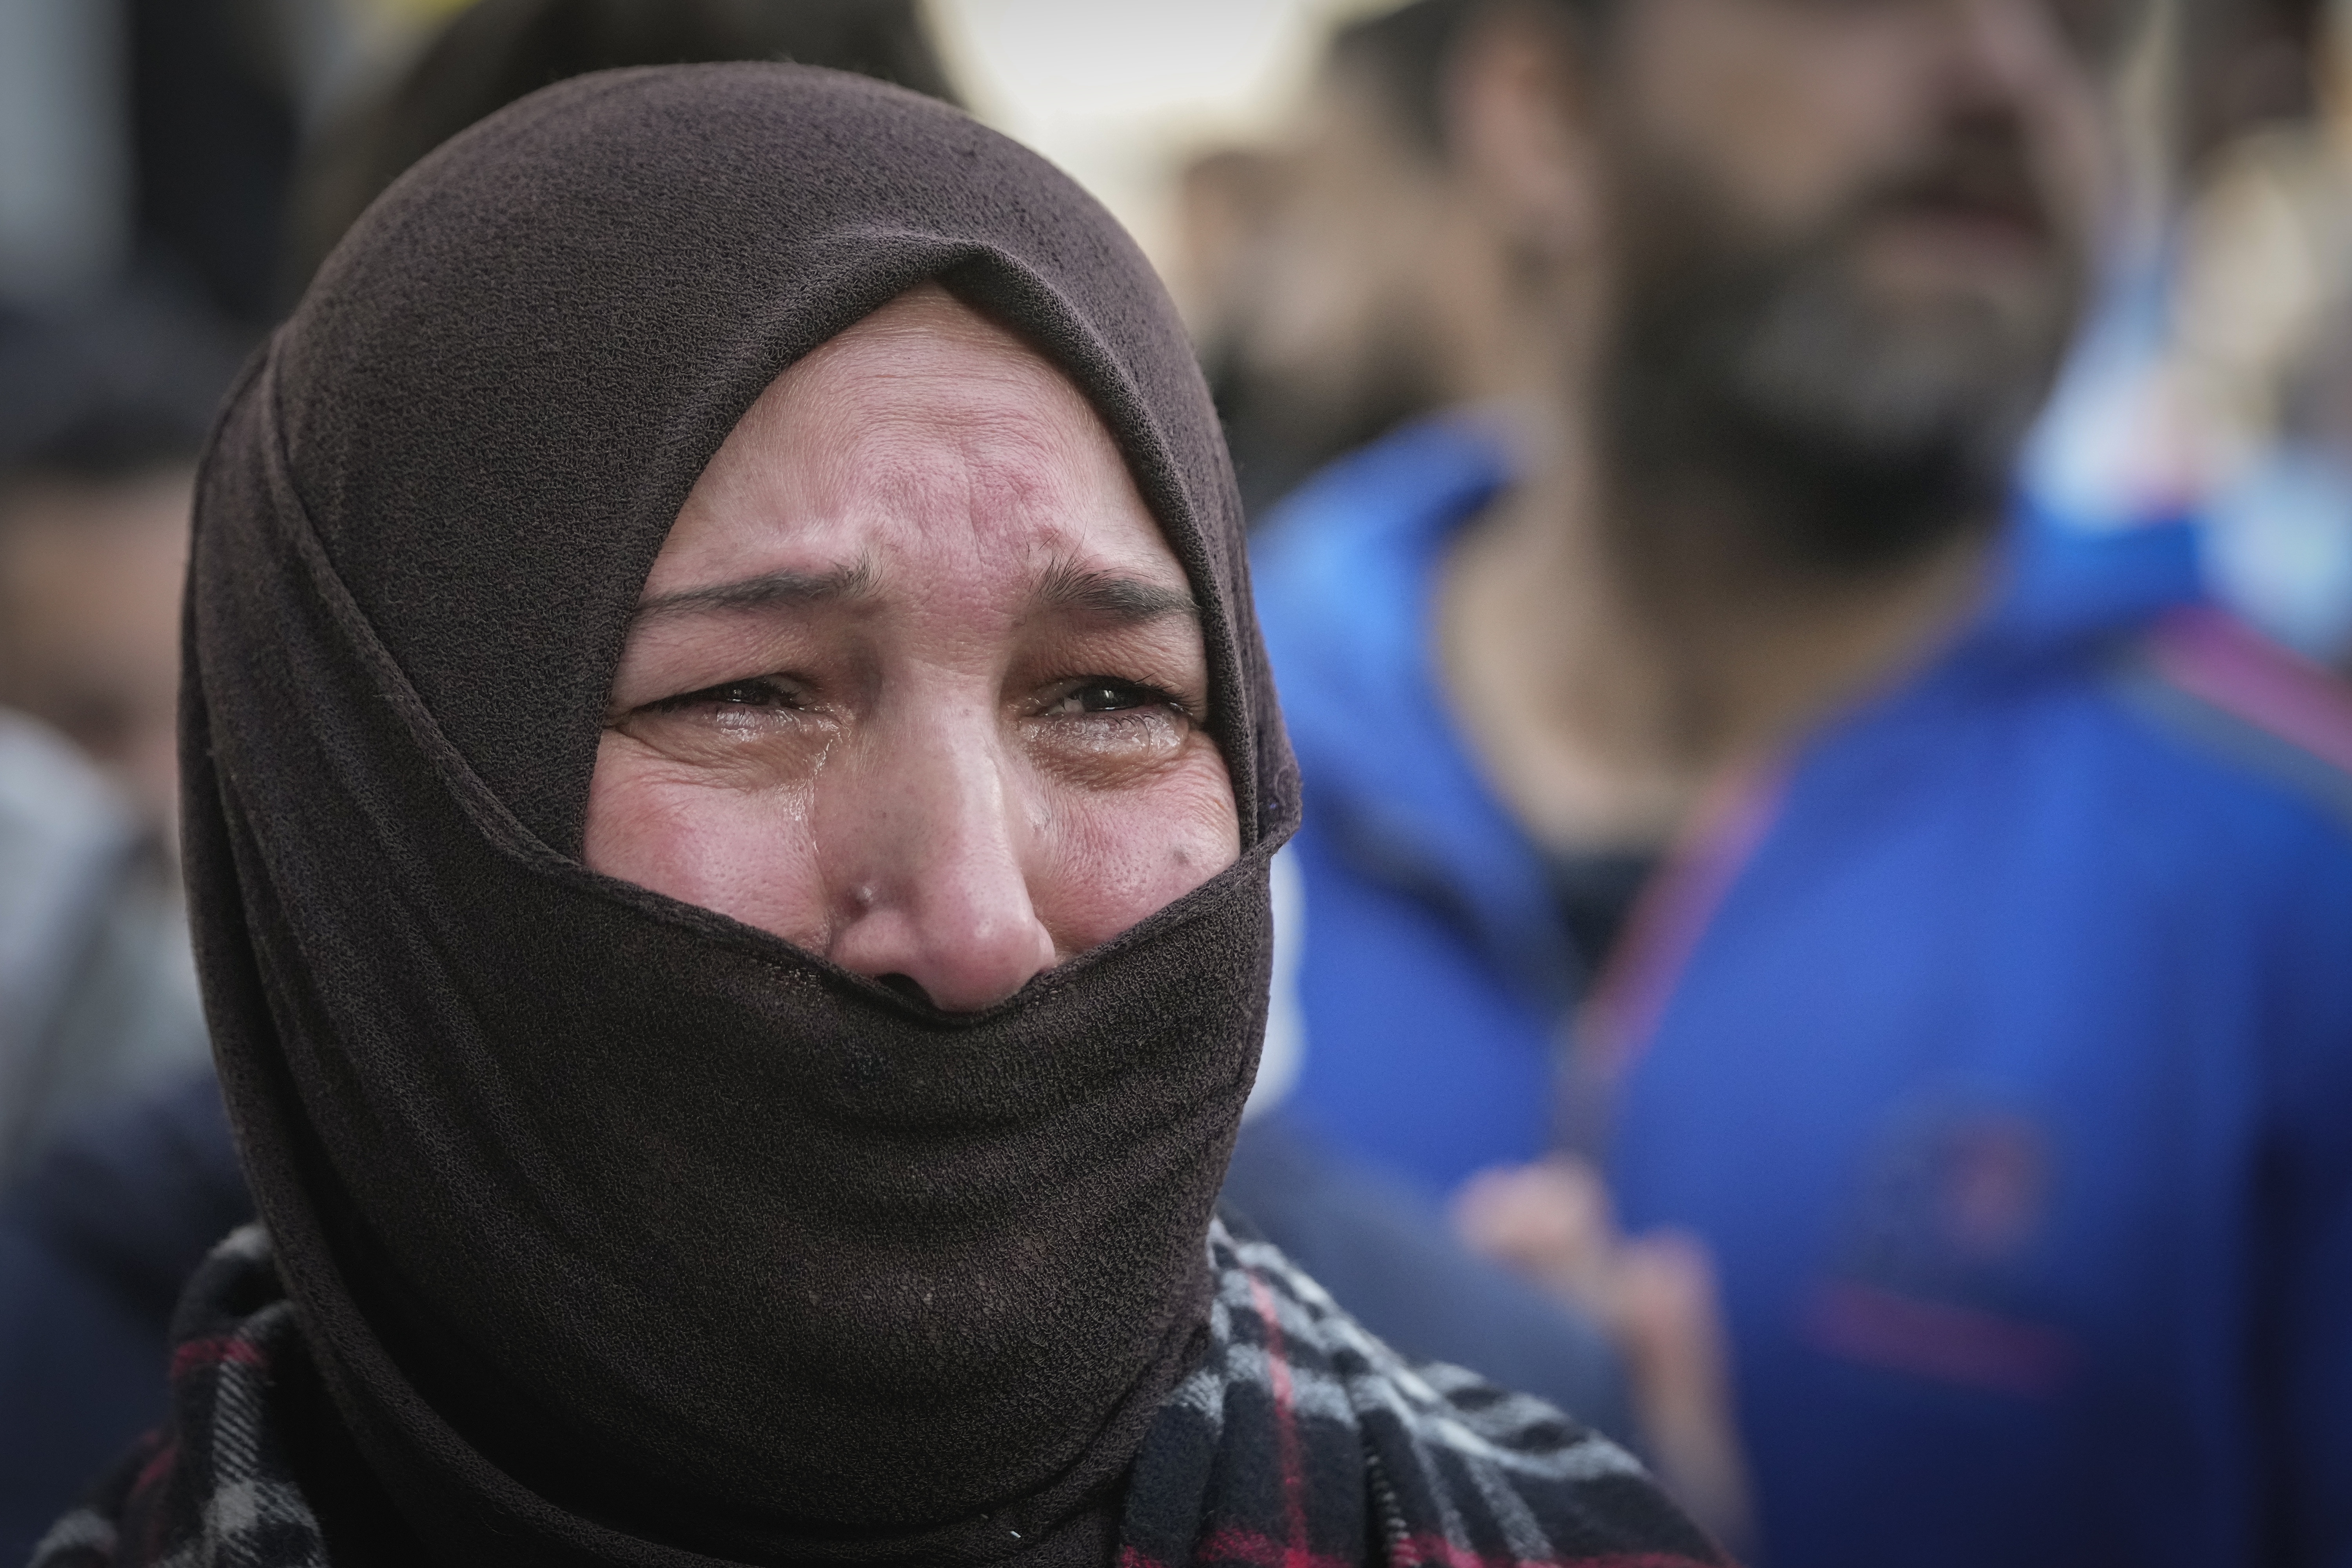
(924, 439)
(924, 333)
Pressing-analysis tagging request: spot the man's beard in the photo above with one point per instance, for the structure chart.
(1757, 386)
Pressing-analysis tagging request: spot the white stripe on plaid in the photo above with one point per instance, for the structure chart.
(85, 1529)
(1516, 1432)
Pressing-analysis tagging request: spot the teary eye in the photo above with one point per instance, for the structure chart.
(760, 693)
(1097, 695)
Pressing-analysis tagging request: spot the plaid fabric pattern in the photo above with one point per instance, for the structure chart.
(212, 1488)
(1300, 1441)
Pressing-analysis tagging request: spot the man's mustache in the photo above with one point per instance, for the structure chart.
(1984, 176)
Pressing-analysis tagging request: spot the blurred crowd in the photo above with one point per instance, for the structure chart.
(1807, 546)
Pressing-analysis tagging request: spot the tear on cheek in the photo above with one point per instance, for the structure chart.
(1119, 755)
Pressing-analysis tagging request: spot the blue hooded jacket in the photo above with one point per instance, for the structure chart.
(1998, 1041)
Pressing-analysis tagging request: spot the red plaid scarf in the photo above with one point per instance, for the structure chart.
(1299, 1441)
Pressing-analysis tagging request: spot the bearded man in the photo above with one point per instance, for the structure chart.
(1941, 915)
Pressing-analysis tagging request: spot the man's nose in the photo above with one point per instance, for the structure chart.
(927, 838)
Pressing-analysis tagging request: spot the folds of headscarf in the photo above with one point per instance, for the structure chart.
(623, 1233)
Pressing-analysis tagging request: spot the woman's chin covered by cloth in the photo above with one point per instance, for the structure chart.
(730, 777)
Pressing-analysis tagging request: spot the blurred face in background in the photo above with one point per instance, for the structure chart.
(1315, 279)
(1339, 283)
(1847, 240)
(91, 576)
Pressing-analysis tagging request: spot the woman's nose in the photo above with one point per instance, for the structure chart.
(930, 882)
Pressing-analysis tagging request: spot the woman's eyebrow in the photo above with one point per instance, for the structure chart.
(1127, 601)
(770, 589)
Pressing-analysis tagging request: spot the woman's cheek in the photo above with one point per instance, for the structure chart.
(748, 855)
(1114, 857)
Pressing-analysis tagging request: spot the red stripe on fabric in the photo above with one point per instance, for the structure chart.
(1627, 1004)
(1939, 1341)
(1261, 1551)
(157, 1470)
(1435, 1551)
(1129, 1557)
(2208, 654)
(1285, 1429)
(196, 1355)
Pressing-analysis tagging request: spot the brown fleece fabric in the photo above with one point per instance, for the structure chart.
(623, 1233)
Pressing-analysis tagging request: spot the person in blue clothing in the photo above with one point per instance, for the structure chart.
(1936, 911)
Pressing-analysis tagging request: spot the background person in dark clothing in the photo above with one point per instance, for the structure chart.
(96, 473)
(96, 1241)
(97, 994)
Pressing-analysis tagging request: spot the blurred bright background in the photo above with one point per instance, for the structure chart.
(1119, 93)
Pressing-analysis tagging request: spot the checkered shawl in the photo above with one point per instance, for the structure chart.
(212, 1488)
(1299, 1441)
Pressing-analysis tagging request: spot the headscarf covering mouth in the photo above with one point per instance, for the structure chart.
(622, 1231)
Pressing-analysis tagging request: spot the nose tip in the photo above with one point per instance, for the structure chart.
(942, 904)
(958, 960)
(957, 965)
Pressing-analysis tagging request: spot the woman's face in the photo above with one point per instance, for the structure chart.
(916, 684)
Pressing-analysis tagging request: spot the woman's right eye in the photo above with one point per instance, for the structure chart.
(763, 721)
(739, 694)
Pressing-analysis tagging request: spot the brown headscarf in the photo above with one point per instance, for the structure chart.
(621, 1232)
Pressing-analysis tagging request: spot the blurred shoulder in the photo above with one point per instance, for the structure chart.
(2280, 725)
(1376, 514)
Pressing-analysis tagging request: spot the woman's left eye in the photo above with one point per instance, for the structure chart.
(1101, 695)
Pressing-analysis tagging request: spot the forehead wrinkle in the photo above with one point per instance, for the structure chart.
(889, 439)
(988, 463)
(938, 422)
